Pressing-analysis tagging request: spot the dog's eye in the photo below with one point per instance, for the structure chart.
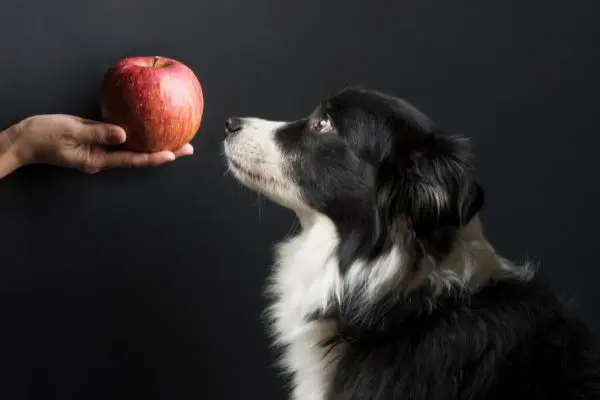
(323, 125)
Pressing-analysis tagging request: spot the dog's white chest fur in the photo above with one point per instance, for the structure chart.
(302, 282)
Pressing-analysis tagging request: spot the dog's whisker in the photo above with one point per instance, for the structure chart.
(258, 205)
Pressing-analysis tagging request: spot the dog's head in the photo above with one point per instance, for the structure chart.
(375, 165)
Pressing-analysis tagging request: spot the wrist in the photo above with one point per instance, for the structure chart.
(13, 154)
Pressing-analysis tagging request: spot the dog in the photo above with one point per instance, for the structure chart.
(390, 289)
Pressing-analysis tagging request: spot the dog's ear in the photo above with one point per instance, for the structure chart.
(431, 187)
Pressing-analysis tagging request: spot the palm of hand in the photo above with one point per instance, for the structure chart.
(69, 141)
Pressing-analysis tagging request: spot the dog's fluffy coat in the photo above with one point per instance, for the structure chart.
(391, 290)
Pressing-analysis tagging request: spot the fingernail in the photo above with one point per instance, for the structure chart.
(119, 135)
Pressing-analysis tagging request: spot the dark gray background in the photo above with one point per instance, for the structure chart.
(147, 283)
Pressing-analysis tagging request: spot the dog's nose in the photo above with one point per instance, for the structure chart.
(233, 124)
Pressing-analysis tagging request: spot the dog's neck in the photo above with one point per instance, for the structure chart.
(473, 261)
(307, 218)
(471, 264)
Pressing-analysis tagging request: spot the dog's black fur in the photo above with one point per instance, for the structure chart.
(510, 340)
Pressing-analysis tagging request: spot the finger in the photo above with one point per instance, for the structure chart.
(186, 150)
(122, 159)
(99, 133)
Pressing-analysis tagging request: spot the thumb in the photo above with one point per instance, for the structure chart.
(99, 133)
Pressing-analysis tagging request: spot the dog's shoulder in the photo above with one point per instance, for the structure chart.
(512, 340)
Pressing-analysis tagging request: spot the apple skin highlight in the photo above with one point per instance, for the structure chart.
(159, 102)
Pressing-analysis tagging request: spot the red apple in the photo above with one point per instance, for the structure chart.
(157, 100)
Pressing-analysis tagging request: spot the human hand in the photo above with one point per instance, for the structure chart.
(70, 141)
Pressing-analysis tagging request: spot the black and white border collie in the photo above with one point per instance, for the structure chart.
(390, 290)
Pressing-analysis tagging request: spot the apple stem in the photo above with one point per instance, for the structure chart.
(155, 61)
